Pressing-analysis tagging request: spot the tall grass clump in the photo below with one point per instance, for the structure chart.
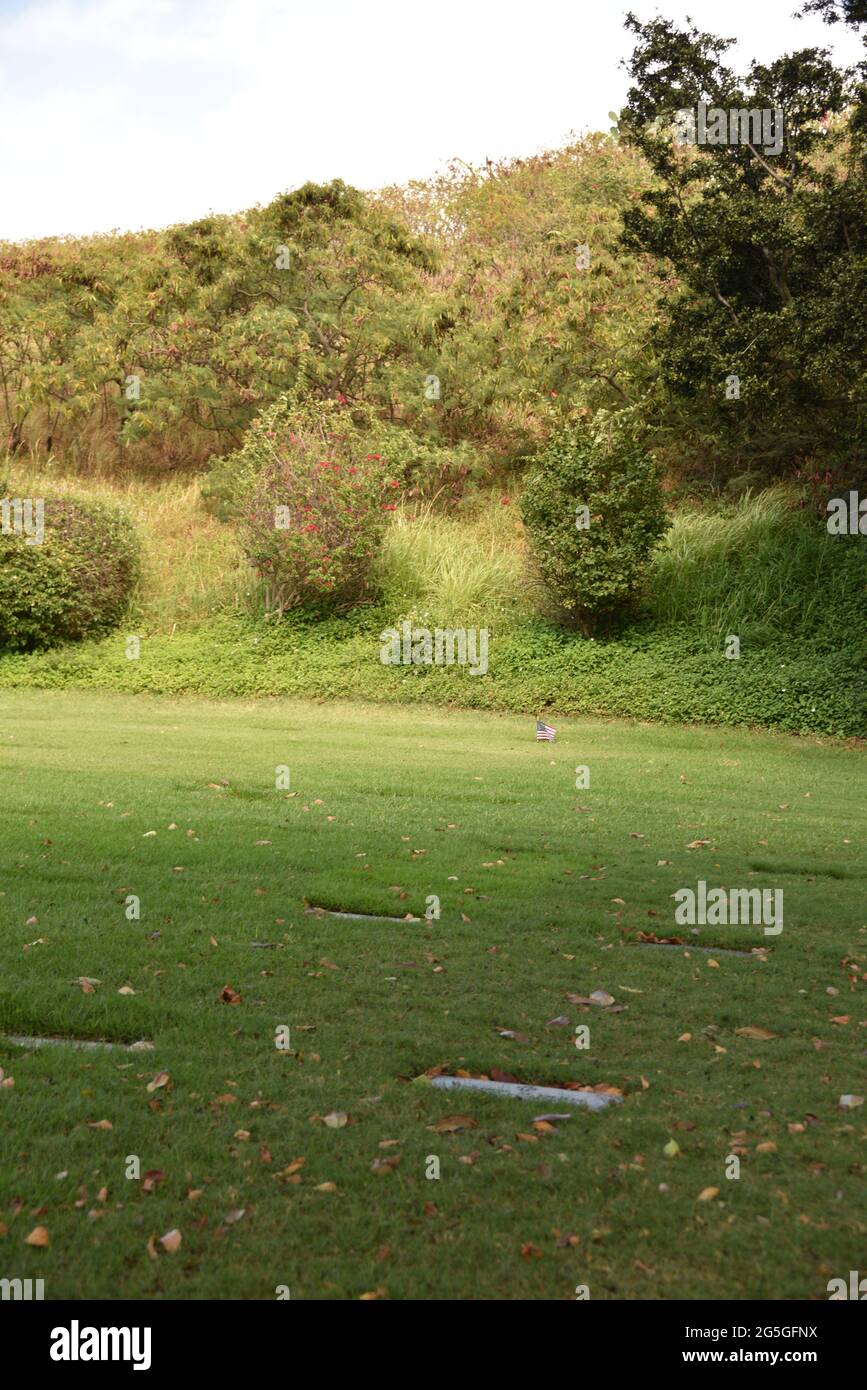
(451, 569)
(763, 566)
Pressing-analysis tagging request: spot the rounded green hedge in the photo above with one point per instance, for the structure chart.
(74, 582)
(594, 511)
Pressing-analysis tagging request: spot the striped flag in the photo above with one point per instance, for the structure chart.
(544, 732)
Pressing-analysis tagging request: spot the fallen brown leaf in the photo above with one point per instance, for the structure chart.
(452, 1124)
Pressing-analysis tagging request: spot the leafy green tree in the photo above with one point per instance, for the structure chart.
(762, 329)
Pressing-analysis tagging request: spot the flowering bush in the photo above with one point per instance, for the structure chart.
(317, 508)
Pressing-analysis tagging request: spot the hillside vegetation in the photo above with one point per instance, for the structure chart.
(348, 409)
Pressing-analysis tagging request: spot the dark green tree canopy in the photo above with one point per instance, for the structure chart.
(762, 331)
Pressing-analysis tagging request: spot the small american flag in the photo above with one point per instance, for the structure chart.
(544, 732)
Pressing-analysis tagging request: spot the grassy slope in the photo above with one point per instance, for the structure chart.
(84, 778)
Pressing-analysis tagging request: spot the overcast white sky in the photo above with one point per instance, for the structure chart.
(131, 113)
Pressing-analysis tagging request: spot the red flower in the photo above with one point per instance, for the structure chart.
(504, 501)
(389, 507)
(311, 527)
(393, 483)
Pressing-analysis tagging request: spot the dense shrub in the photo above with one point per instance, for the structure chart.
(317, 507)
(594, 512)
(76, 582)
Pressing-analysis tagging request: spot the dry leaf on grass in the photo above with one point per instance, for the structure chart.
(385, 1165)
(38, 1236)
(452, 1124)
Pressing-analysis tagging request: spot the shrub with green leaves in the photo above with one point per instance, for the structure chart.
(594, 512)
(75, 582)
(316, 510)
(424, 464)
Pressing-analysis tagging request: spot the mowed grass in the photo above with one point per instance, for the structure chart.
(389, 806)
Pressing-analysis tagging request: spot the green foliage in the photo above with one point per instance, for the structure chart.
(762, 254)
(671, 674)
(457, 570)
(761, 569)
(594, 512)
(316, 508)
(425, 466)
(335, 294)
(75, 583)
(320, 290)
(523, 338)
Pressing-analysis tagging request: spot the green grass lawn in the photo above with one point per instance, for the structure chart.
(542, 890)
